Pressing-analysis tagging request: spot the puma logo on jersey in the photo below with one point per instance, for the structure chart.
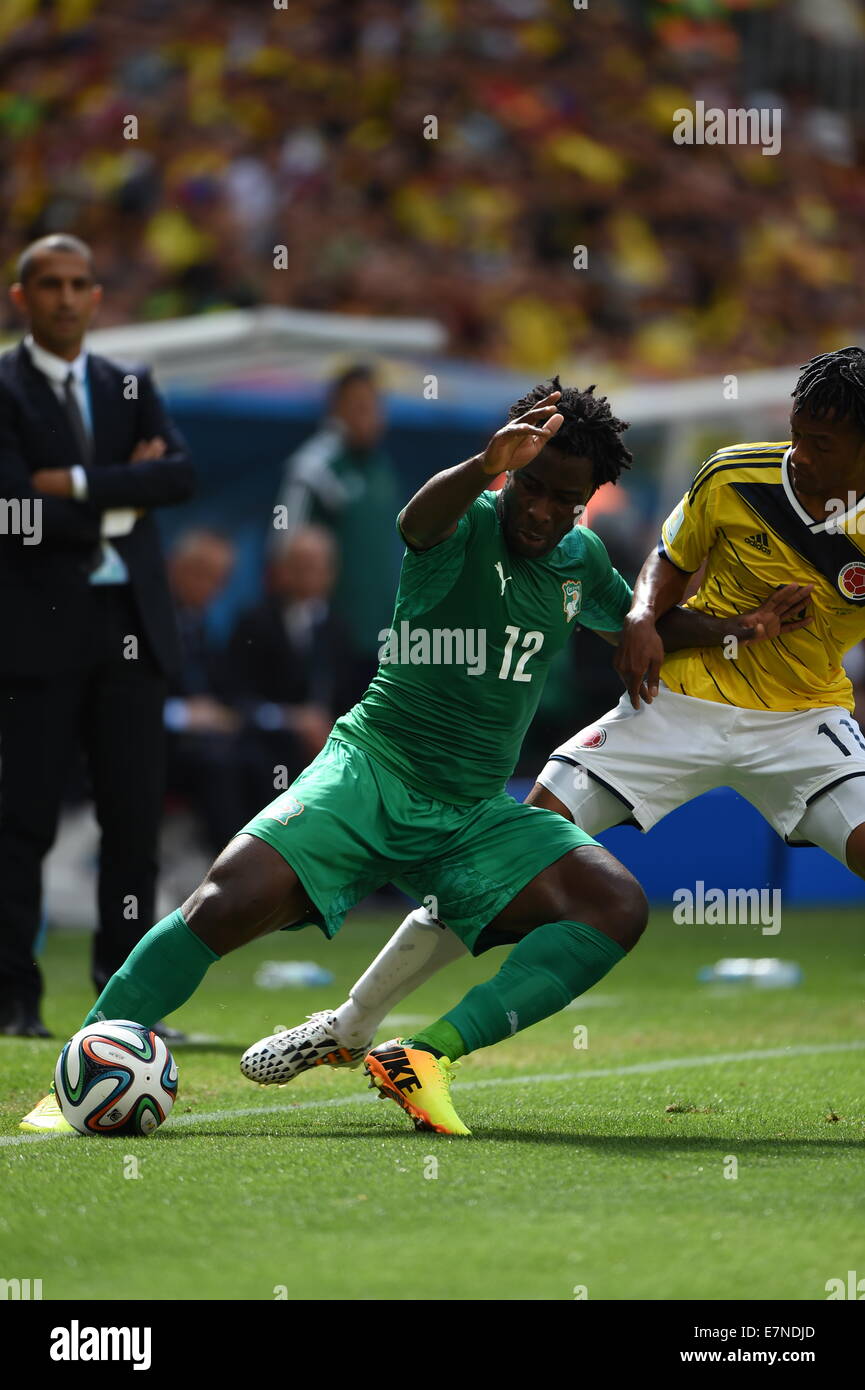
(759, 541)
(502, 576)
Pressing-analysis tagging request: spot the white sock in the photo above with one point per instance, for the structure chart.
(419, 947)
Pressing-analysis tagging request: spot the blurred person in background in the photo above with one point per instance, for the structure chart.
(204, 754)
(292, 663)
(87, 635)
(341, 478)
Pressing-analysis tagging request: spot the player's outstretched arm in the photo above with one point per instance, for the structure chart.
(656, 624)
(785, 610)
(433, 513)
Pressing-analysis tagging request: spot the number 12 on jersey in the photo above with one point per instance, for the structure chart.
(532, 641)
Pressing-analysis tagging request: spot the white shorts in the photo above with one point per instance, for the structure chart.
(657, 757)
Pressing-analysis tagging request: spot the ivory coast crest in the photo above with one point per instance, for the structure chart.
(572, 593)
(284, 809)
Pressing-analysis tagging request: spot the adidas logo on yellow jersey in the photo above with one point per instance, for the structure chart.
(713, 529)
(760, 542)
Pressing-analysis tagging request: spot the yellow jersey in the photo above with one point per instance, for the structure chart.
(743, 518)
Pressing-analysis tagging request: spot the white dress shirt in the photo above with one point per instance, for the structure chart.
(117, 521)
(300, 618)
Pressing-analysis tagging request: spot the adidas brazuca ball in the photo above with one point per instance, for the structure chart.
(115, 1077)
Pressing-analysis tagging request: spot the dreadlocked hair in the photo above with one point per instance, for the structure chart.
(590, 429)
(834, 383)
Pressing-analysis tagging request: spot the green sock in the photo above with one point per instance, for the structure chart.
(440, 1038)
(158, 975)
(543, 973)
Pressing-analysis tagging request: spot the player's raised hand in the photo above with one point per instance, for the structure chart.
(786, 610)
(521, 440)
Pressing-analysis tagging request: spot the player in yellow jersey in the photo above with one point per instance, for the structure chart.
(772, 720)
(776, 724)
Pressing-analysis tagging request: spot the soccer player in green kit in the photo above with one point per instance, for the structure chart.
(410, 785)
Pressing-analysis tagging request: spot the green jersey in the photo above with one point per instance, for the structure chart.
(462, 667)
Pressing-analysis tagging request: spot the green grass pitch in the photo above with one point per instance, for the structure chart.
(606, 1168)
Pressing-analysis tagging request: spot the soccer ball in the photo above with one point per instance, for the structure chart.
(115, 1077)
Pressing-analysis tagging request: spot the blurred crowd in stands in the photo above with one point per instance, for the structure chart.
(185, 142)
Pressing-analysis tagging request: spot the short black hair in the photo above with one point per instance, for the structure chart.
(57, 241)
(590, 428)
(834, 383)
(360, 371)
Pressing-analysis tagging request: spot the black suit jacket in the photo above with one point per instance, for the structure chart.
(43, 587)
(265, 665)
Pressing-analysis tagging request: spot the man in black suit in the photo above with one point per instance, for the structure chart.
(292, 663)
(87, 631)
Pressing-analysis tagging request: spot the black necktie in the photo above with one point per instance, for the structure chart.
(73, 412)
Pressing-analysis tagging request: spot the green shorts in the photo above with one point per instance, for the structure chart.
(348, 825)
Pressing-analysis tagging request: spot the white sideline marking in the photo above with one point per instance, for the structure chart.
(636, 1069)
(585, 1001)
(593, 1001)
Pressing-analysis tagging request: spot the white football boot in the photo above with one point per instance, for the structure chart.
(280, 1058)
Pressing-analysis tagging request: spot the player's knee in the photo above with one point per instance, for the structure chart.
(240, 900)
(611, 900)
(215, 912)
(220, 901)
(629, 910)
